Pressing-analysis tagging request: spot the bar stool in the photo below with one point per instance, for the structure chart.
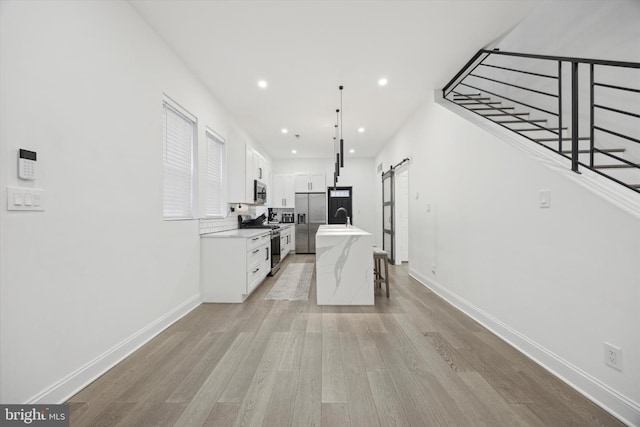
(378, 256)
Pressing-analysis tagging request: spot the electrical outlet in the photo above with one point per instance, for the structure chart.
(613, 356)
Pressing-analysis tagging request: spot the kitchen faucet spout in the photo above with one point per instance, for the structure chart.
(346, 212)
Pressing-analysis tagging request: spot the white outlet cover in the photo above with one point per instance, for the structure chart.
(613, 356)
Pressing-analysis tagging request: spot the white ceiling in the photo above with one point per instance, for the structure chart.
(306, 49)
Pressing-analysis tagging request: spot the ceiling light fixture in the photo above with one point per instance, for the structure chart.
(383, 82)
(262, 84)
(352, 151)
(294, 151)
(284, 130)
(360, 130)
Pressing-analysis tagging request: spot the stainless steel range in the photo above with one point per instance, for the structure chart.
(248, 222)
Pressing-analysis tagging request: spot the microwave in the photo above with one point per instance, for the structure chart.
(259, 192)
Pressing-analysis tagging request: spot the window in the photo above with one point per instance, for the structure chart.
(216, 184)
(179, 135)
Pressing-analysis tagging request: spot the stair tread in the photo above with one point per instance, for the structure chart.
(619, 166)
(606, 150)
(492, 108)
(472, 99)
(505, 114)
(521, 121)
(582, 138)
(536, 129)
(476, 103)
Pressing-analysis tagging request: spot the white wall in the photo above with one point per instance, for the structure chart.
(357, 173)
(82, 85)
(555, 282)
(561, 280)
(579, 28)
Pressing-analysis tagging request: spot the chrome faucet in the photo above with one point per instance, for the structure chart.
(346, 212)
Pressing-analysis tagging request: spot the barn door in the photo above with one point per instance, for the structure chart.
(388, 208)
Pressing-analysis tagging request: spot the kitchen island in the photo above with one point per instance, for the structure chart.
(344, 266)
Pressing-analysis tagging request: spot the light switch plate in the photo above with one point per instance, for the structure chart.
(545, 198)
(25, 199)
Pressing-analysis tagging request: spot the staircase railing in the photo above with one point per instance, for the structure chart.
(598, 115)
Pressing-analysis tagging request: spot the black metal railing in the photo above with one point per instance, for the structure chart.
(559, 106)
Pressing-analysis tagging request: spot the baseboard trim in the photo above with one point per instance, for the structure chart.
(77, 380)
(620, 406)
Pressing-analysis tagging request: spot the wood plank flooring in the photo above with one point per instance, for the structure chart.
(410, 360)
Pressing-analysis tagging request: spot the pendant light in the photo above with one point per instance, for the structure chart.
(341, 128)
(338, 149)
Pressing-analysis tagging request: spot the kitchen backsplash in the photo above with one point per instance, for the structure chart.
(216, 225)
(281, 214)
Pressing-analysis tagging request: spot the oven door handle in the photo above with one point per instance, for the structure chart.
(267, 250)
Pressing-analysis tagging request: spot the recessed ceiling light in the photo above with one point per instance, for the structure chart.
(360, 130)
(294, 151)
(262, 84)
(352, 151)
(383, 82)
(284, 130)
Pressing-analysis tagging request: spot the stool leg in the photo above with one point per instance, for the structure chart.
(375, 272)
(386, 274)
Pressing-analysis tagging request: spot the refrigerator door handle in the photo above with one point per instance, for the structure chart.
(302, 219)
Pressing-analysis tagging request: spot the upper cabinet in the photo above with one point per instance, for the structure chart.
(260, 167)
(255, 167)
(283, 191)
(310, 183)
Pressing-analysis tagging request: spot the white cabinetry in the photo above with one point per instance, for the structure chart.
(286, 241)
(260, 167)
(256, 167)
(232, 267)
(283, 191)
(250, 174)
(310, 182)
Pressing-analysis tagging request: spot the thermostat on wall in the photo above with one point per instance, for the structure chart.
(26, 164)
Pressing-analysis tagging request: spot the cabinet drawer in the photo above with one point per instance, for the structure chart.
(255, 276)
(257, 256)
(254, 242)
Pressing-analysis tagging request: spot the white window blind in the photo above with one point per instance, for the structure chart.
(179, 140)
(215, 175)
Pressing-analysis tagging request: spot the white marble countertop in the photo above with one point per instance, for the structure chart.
(340, 230)
(240, 233)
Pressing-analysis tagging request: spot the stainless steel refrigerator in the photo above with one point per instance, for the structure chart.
(310, 213)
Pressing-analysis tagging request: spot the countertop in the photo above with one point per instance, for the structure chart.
(338, 230)
(240, 233)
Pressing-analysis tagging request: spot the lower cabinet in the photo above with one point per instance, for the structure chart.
(231, 267)
(284, 250)
(285, 241)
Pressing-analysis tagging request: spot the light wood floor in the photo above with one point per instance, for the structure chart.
(411, 359)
